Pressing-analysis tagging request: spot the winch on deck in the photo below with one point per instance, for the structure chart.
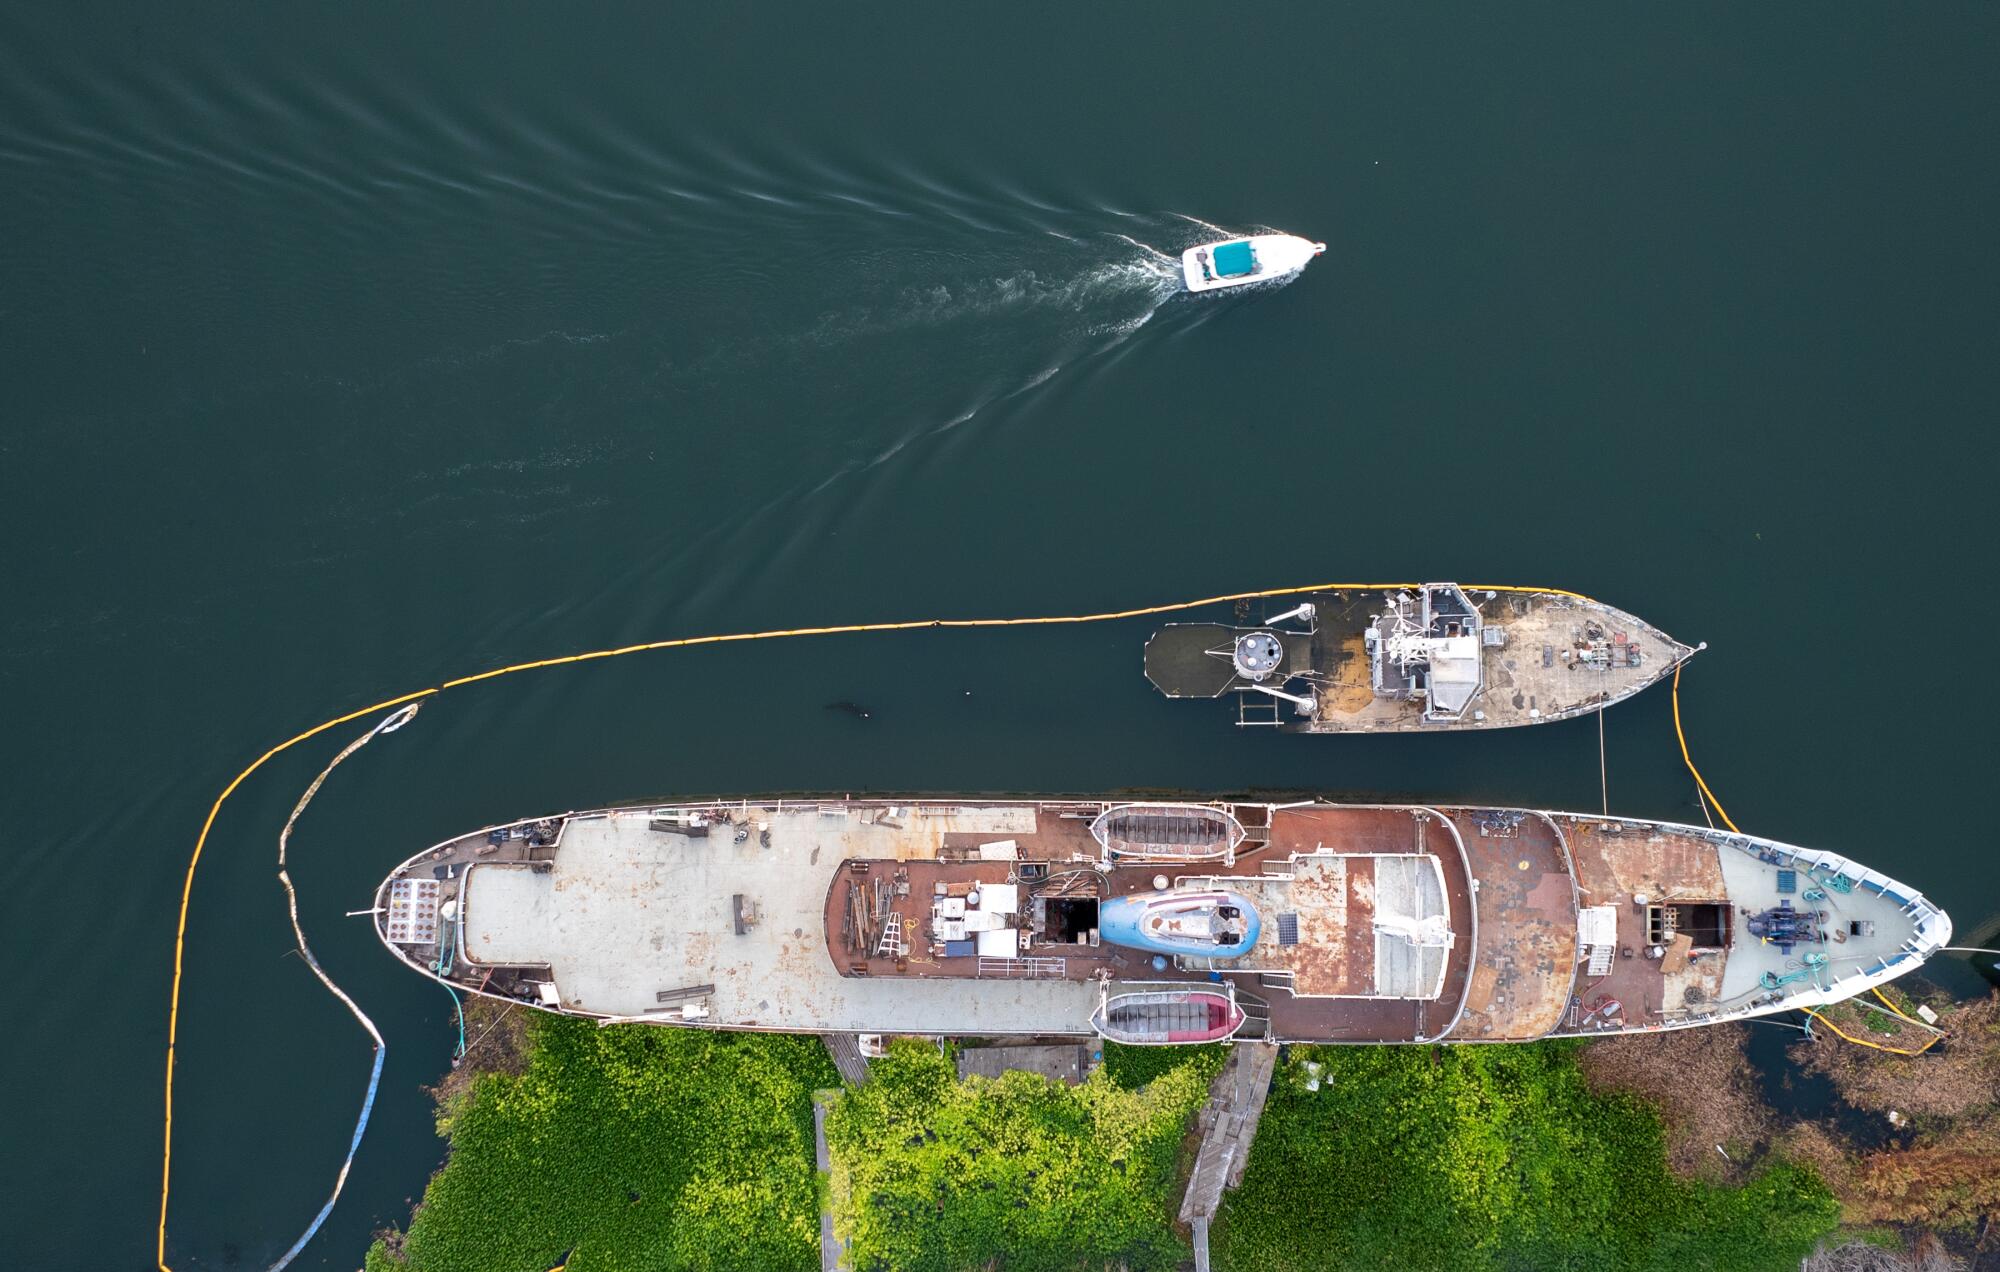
(1785, 927)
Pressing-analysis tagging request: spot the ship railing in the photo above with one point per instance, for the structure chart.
(1423, 816)
(1126, 851)
(1908, 901)
(1023, 968)
(1071, 807)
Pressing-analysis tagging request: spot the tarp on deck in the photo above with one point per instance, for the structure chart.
(1233, 260)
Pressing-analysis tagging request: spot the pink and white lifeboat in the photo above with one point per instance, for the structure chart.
(1168, 1017)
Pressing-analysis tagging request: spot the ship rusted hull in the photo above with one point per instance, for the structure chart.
(1532, 658)
(1379, 923)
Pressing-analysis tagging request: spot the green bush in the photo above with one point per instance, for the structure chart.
(675, 1149)
(1490, 1157)
(932, 1174)
(635, 1146)
(1134, 1067)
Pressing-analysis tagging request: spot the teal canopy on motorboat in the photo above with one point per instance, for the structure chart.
(1233, 260)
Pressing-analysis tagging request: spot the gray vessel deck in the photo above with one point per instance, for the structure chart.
(627, 914)
(1551, 657)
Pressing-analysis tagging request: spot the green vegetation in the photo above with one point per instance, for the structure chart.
(1491, 1157)
(932, 1174)
(659, 1148)
(638, 1147)
(1134, 1067)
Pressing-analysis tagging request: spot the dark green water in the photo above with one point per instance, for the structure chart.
(352, 350)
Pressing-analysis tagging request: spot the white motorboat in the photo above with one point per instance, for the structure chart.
(1237, 262)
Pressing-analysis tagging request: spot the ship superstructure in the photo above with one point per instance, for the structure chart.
(1148, 922)
(1429, 657)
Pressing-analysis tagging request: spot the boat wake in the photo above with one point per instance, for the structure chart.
(773, 321)
(1070, 298)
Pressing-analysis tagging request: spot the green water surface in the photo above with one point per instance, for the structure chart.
(350, 348)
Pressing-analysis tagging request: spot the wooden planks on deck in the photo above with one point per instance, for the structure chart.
(1065, 1063)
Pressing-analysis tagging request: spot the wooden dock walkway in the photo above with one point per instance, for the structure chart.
(1227, 1123)
(829, 1248)
(845, 1048)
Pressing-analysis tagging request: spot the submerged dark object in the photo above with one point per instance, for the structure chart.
(854, 709)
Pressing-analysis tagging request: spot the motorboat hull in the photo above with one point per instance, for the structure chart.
(1208, 267)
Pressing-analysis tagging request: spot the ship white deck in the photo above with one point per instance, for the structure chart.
(1409, 887)
(1752, 886)
(628, 912)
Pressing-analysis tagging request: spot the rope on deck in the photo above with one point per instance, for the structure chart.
(685, 642)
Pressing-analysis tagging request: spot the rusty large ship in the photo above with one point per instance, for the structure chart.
(1147, 922)
(1431, 657)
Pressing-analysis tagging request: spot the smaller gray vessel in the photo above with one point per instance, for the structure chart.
(1438, 656)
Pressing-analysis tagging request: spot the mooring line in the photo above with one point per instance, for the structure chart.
(388, 724)
(1936, 1033)
(180, 934)
(685, 642)
(1689, 759)
(1603, 775)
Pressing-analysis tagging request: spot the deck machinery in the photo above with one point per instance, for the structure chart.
(1431, 657)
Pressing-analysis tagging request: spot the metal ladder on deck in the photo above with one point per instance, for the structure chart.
(892, 944)
(1257, 711)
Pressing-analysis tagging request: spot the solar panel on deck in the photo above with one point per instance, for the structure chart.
(1288, 929)
(1788, 881)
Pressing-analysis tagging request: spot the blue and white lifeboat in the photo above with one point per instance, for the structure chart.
(1238, 262)
(1210, 923)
